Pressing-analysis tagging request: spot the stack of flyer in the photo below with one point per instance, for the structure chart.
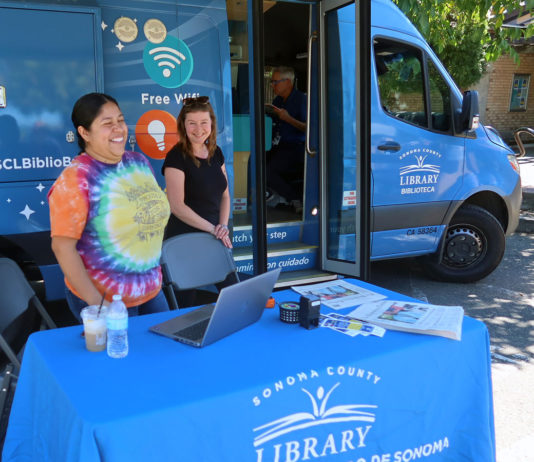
(339, 294)
(419, 318)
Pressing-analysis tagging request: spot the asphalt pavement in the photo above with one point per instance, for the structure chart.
(513, 371)
(526, 165)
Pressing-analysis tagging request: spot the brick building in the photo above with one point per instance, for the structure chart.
(505, 97)
(506, 100)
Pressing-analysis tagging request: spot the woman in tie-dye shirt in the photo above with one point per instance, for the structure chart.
(108, 215)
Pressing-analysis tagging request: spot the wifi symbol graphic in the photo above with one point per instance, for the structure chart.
(167, 57)
(169, 63)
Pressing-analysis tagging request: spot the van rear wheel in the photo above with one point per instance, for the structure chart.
(474, 247)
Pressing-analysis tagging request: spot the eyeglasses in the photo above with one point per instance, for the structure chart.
(196, 100)
(276, 82)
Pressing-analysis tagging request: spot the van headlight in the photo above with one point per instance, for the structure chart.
(513, 162)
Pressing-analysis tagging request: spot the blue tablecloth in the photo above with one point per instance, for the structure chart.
(272, 392)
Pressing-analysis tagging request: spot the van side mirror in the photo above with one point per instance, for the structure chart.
(468, 118)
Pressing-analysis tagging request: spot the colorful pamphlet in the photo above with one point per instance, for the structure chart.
(349, 326)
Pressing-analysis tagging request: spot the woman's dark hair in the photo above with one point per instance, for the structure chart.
(196, 105)
(86, 110)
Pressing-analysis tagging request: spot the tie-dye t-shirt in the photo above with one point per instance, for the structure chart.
(118, 213)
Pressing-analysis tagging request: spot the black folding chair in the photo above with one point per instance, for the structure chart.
(21, 313)
(194, 260)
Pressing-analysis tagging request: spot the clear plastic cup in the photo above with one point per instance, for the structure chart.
(94, 326)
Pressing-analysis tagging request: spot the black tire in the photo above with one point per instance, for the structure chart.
(474, 247)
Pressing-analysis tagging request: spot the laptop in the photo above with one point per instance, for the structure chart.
(237, 307)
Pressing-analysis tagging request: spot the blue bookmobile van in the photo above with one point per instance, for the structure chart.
(442, 186)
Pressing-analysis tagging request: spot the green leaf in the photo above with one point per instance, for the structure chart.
(423, 22)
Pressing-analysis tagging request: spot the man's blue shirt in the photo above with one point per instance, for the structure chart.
(295, 105)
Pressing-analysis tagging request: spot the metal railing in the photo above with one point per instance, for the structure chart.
(517, 137)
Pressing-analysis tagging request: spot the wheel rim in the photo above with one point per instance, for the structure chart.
(465, 245)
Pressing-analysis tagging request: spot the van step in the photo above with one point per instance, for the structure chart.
(288, 256)
(276, 232)
(299, 277)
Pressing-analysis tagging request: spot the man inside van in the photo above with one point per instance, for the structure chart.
(285, 160)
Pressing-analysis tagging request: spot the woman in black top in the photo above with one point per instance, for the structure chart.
(197, 185)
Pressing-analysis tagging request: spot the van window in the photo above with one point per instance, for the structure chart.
(400, 81)
(440, 99)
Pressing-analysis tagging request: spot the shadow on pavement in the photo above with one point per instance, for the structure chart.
(503, 300)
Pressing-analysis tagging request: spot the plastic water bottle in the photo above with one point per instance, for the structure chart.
(117, 324)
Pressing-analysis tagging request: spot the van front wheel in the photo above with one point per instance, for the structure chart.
(474, 247)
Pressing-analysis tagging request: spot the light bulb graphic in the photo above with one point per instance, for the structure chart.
(156, 129)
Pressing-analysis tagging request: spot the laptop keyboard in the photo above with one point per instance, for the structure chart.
(194, 332)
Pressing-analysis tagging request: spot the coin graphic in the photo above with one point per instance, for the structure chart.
(155, 31)
(125, 29)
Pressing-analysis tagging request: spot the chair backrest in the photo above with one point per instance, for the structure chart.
(15, 292)
(18, 309)
(194, 260)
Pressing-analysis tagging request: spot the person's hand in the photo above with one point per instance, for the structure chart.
(220, 231)
(283, 114)
(227, 242)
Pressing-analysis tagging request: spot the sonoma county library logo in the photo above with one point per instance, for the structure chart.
(323, 421)
(311, 421)
(320, 415)
(422, 174)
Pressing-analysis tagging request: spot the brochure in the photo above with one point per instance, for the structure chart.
(420, 318)
(339, 294)
(349, 326)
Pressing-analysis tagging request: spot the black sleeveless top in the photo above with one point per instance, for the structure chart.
(203, 188)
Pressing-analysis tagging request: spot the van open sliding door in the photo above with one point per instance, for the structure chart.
(345, 121)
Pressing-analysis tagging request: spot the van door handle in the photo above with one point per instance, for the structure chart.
(389, 146)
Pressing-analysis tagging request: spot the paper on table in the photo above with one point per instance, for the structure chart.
(350, 326)
(422, 318)
(339, 294)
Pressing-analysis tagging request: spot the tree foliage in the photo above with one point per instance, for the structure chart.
(467, 34)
